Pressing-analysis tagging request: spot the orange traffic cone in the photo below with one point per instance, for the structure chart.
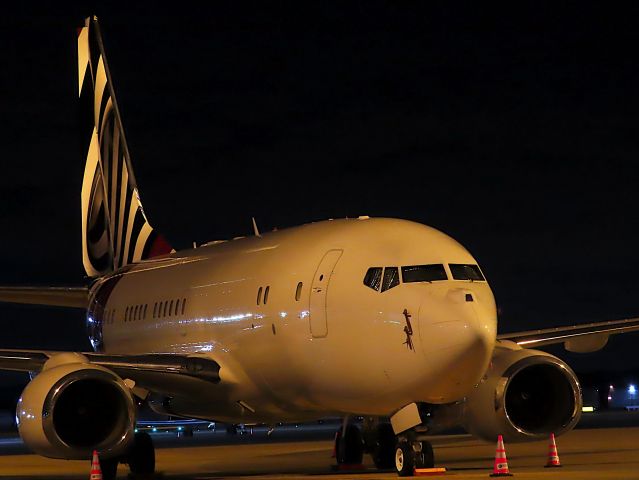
(96, 471)
(553, 456)
(500, 468)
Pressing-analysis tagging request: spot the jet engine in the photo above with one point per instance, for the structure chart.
(74, 407)
(524, 395)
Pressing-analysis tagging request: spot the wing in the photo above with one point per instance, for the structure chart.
(77, 297)
(588, 337)
(146, 370)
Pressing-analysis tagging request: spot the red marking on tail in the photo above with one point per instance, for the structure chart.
(160, 247)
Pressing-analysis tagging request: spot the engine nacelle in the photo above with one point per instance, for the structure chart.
(74, 407)
(524, 395)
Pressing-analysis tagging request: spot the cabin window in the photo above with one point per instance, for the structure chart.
(144, 314)
(177, 306)
(266, 294)
(183, 305)
(423, 273)
(298, 292)
(466, 272)
(373, 278)
(155, 309)
(135, 312)
(259, 295)
(391, 278)
(166, 304)
(170, 308)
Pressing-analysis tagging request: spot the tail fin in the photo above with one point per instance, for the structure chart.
(115, 230)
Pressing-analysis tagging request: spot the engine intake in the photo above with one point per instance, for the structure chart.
(69, 410)
(525, 395)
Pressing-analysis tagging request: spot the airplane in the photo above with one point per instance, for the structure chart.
(382, 318)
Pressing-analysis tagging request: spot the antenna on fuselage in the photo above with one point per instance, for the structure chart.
(255, 229)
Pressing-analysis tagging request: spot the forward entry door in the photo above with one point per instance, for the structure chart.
(319, 293)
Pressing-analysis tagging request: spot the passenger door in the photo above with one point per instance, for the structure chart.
(319, 293)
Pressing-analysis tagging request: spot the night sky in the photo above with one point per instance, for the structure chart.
(513, 131)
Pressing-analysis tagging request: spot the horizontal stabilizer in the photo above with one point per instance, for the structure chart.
(76, 297)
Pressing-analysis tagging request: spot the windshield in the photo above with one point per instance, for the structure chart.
(423, 273)
(466, 272)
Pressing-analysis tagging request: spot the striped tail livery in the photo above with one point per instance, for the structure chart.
(115, 229)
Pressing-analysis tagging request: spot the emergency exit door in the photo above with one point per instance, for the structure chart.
(319, 293)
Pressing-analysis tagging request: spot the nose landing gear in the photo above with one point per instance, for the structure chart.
(404, 452)
(410, 455)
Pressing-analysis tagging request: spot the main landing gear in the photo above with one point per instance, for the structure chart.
(403, 452)
(140, 458)
(349, 446)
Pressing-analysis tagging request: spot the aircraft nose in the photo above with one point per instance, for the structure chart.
(458, 334)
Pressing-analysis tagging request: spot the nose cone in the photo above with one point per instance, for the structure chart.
(457, 333)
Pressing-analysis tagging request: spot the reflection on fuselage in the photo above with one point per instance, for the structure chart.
(312, 334)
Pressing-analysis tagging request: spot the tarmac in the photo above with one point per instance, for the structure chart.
(590, 453)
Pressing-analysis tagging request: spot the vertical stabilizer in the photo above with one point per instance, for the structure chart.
(115, 230)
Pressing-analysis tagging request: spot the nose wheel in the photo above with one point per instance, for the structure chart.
(412, 455)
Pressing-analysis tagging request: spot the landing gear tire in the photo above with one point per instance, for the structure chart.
(404, 459)
(109, 467)
(349, 449)
(427, 455)
(141, 457)
(412, 455)
(383, 451)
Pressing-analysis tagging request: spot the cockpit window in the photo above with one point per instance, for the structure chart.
(466, 272)
(423, 273)
(391, 278)
(373, 278)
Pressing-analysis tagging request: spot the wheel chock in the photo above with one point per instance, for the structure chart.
(429, 472)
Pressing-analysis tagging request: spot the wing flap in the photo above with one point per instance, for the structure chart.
(588, 337)
(76, 297)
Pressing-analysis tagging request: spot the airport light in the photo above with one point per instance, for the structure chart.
(632, 389)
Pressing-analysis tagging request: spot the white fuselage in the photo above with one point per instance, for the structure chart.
(331, 346)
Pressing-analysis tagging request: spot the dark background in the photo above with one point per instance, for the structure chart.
(512, 129)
